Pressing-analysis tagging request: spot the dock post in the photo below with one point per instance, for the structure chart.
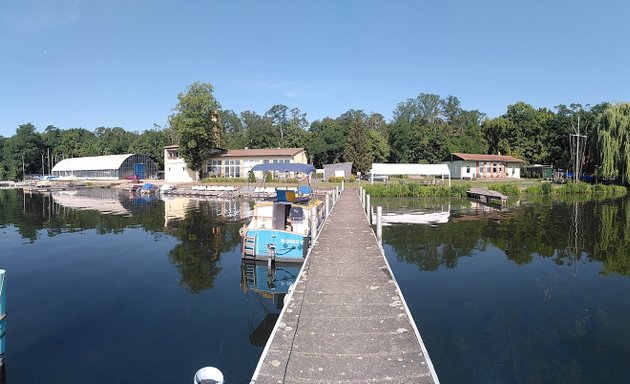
(3, 318)
(379, 224)
(342, 185)
(327, 205)
(337, 191)
(363, 197)
(368, 210)
(313, 224)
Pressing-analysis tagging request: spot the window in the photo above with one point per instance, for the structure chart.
(232, 168)
(468, 169)
(494, 167)
(214, 167)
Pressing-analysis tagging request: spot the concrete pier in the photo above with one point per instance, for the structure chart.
(346, 320)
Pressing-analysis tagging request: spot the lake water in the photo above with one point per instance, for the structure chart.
(106, 288)
(537, 293)
(137, 290)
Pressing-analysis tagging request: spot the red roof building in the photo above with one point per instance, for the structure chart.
(478, 166)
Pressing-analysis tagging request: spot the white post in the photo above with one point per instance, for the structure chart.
(337, 191)
(342, 185)
(327, 205)
(368, 210)
(379, 224)
(313, 225)
(363, 197)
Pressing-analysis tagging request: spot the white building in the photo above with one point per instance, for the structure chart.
(476, 166)
(233, 163)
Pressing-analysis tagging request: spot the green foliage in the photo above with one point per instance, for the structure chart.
(268, 177)
(574, 188)
(251, 177)
(506, 189)
(613, 143)
(335, 179)
(416, 190)
(196, 121)
(357, 149)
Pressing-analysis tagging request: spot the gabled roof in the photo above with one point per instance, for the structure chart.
(91, 163)
(265, 152)
(479, 157)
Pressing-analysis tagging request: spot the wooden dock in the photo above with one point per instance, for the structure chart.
(485, 195)
(346, 321)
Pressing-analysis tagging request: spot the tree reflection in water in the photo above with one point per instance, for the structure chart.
(561, 230)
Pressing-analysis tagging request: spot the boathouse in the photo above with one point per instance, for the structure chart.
(477, 166)
(111, 167)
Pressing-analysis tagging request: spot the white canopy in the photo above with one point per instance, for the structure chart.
(412, 169)
(91, 163)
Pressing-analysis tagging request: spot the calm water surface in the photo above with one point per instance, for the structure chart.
(128, 291)
(534, 294)
(105, 288)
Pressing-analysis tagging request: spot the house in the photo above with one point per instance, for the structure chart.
(232, 163)
(477, 166)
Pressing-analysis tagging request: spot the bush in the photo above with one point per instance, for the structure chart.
(268, 177)
(335, 179)
(506, 189)
(251, 177)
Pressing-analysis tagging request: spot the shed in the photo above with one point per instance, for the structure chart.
(338, 170)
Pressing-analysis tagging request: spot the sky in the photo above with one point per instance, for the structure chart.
(92, 63)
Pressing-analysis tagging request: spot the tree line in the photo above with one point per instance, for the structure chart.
(424, 129)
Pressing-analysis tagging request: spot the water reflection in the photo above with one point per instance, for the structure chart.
(528, 294)
(564, 232)
(268, 284)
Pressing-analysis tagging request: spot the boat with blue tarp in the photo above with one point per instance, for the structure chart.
(282, 229)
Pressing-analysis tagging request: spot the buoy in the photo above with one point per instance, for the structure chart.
(208, 375)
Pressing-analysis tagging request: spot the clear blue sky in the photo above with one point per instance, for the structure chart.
(89, 63)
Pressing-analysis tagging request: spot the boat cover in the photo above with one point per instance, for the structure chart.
(284, 167)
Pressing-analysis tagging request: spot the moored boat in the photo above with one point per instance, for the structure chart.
(283, 229)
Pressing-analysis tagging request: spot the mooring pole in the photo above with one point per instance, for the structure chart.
(342, 185)
(327, 205)
(379, 224)
(313, 225)
(368, 210)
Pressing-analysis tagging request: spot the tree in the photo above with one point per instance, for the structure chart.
(234, 133)
(326, 141)
(26, 145)
(357, 149)
(196, 121)
(613, 142)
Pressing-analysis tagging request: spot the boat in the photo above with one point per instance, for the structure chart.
(282, 229)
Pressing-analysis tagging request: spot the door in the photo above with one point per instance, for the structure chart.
(138, 170)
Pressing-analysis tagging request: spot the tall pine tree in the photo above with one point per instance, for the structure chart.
(357, 149)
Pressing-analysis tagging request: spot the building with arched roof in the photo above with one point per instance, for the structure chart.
(111, 167)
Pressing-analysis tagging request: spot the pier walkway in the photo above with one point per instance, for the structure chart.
(346, 321)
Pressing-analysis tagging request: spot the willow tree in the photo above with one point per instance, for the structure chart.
(196, 121)
(613, 142)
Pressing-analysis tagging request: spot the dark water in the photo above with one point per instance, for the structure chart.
(538, 293)
(134, 291)
(145, 290)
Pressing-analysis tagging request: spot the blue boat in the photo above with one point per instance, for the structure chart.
(282, 229)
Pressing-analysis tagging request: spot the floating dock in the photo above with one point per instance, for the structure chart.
(346, 320)
(488, 196)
